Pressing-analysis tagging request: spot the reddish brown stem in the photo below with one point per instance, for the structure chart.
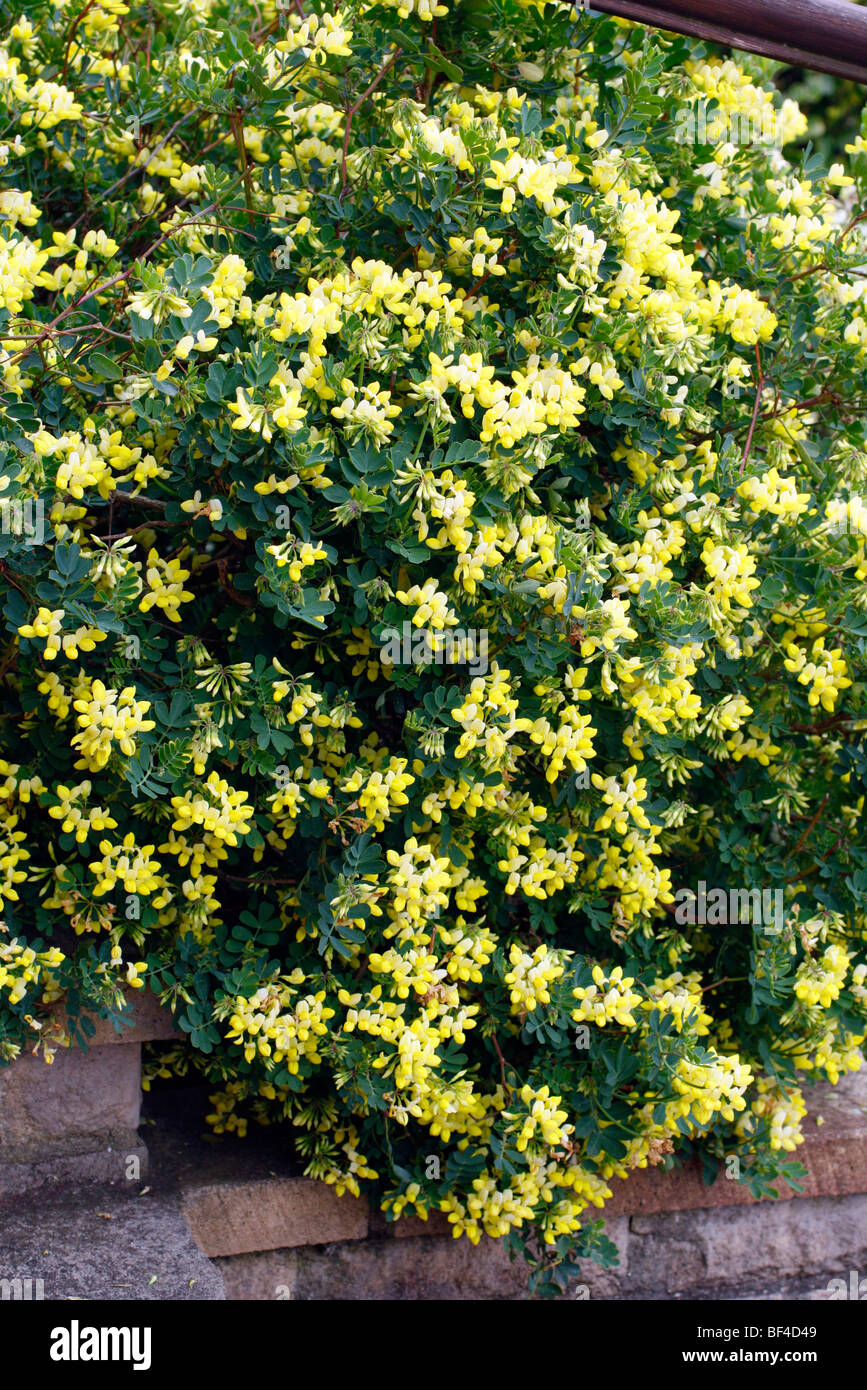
(356, 107)
(831, 722)
(796, 847)
(506, 1086)
(70, 35)
(760, 381)
(238, 132)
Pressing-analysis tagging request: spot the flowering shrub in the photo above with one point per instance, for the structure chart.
(416, 319)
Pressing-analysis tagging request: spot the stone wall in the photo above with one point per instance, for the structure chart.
(81, 1211)
(280, 1237)
(77, 1119)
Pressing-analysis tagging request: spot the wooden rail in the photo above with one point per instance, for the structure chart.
(828, 35)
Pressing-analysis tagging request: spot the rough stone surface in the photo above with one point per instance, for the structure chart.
(417, 1268)
(268, 1275)
(706, 1256)
(437, 1224)
(83, 1102)
(836, 1154)
(126, 1161)
(748, 1289)
(793, 1239)
(152, 1022)
(682, 1251)
(414, 1267)
(233, 1218)
(96, 1243)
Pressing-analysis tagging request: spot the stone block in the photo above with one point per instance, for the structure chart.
(685, 1251)
(95, 1243)
(152, 1022)
(437, 1224)
(81, 1103)
(418, 1268)
(269, 1276)
(125, 1162)
(421, 1268)
(667, 1265)
(795, 1238)
(235, 1218)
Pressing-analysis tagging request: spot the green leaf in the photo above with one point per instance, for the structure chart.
(104, 367)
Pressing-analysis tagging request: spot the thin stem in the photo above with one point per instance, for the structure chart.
(238, 132)
(136, 168)
(796, 847)
(70, 35)
(135, 499)
(760, 381)
(506, 1086)
(356, 107)
(116, 279)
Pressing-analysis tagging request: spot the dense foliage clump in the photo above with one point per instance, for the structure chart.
(433, 552)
